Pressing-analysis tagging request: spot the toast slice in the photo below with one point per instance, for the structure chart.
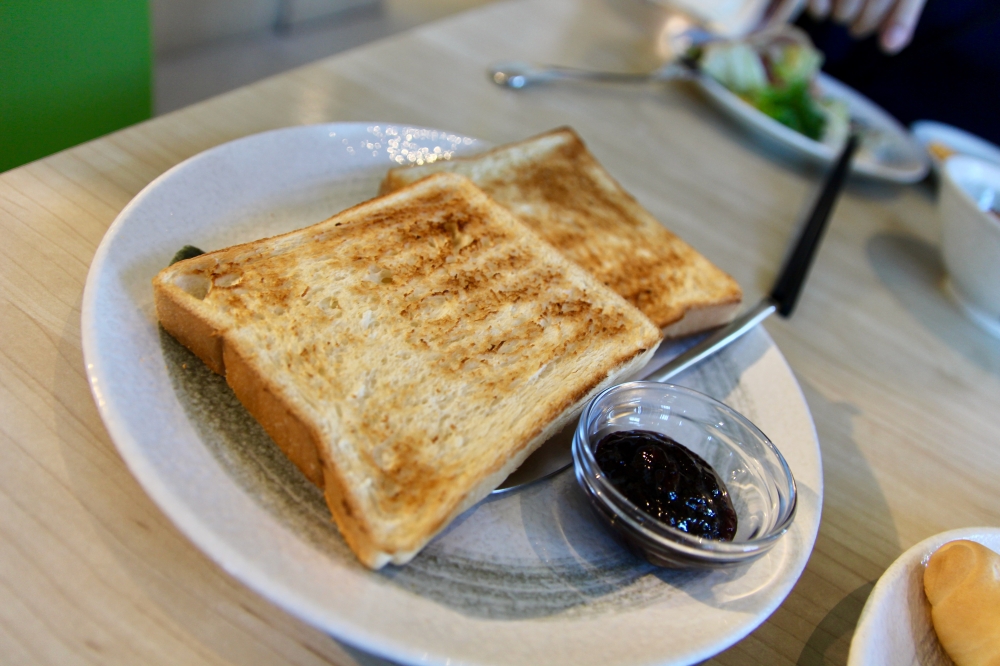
(559, 189)
(407, 354)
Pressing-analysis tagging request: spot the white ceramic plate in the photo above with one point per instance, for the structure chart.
(962, 142)
(895, 626)
(887, 152)
(526, 577)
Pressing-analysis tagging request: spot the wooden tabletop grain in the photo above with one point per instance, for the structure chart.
(904, 391)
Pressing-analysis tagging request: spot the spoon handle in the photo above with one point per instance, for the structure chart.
(519, 75)
(715, 341)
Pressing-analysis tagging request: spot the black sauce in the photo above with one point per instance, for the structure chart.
(669, 482)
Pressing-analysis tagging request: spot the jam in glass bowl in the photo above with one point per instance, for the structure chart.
(677, 464)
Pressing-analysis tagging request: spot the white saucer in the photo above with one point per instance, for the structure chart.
(895, 626)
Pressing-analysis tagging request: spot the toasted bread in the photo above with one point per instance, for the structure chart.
(559, 189)
(407, 354)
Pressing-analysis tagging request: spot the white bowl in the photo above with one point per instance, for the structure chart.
(970, 237)
(895, 627)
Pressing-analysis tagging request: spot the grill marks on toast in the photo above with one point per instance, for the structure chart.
(567, 186)
(555, 185)
(429, 337)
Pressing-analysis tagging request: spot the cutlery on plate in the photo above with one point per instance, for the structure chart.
(550, 460)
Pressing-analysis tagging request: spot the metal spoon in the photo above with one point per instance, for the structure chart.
(519, 75)
(682, 33)
(679, 65)
(554, 456)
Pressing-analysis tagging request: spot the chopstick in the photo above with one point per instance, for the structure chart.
(793, 274)
(791, 279)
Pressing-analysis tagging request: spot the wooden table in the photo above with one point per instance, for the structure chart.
(904, 390)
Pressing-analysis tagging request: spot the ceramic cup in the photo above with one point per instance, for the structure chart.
(970, 236)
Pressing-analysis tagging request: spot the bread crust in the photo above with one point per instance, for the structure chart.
(206, 326)
(697, 319)
(276, 414)
(178, 316)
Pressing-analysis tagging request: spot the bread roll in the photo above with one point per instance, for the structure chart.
(962, 582)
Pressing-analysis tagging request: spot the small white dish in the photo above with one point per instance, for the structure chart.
(970, 237)
(895, 626)
(930, 132)
(892, 154)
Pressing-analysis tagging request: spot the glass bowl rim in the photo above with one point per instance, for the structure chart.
(660, 532)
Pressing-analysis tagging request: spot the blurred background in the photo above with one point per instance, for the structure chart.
(73, 70)
(204, 47)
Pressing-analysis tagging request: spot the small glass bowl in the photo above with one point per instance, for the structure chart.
(757, 477)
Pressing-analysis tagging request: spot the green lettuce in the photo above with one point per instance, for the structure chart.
(785, 95)
(792, 105)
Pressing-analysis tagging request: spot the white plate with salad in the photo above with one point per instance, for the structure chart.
(773, 87)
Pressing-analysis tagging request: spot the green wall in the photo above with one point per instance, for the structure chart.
(70, 70)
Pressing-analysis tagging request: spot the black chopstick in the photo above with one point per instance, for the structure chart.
(793, 274)
(789, 283)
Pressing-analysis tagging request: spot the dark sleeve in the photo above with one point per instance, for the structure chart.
(950, 72)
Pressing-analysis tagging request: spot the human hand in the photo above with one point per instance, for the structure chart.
(894, 20)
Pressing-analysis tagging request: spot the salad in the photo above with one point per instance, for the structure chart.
(776, 73)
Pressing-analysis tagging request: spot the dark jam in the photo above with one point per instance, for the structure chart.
(669, 482)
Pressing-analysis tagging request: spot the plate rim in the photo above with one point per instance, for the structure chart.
(234, 561)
